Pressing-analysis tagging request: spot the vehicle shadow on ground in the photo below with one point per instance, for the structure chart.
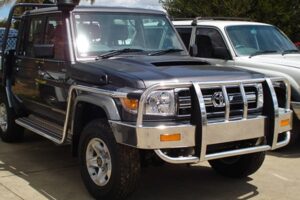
(40, 167)
(191, 183)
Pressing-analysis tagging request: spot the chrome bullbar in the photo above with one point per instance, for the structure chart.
(200, 133)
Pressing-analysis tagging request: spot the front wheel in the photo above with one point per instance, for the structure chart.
(295, 136)
(238, 166)
(109, 170)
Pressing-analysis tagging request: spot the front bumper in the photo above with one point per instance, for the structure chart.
(202, 133)
(148, 136)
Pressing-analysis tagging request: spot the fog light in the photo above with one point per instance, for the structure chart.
(285, 122)
(170, 137)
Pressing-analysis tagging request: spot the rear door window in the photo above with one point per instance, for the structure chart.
(35, 35)
(209, 41)
(185, 34)
(55, 34)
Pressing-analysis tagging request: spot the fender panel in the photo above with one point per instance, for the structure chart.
(104, 102)
(294, 84)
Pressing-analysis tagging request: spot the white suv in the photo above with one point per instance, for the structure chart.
(244, 44)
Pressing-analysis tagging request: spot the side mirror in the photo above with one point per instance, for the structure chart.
(222, 53)
(193, 50)
(43, 50)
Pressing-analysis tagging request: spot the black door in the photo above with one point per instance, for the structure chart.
(40, 79)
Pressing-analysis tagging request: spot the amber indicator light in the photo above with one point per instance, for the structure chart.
(170, 137)
(131, 104)
(284, 122)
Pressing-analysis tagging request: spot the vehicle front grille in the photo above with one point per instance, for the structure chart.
(215, 108)
(184, 102)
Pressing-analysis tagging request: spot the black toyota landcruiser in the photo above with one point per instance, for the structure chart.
(118, 85)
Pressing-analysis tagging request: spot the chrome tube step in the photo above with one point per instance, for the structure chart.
(42, 127)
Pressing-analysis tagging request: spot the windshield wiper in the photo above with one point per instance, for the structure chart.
(290, 51)
(165, 51)
(261, 53)
(118, 52)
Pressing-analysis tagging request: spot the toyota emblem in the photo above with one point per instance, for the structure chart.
(218, 100)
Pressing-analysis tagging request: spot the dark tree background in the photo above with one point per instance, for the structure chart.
(282, 13)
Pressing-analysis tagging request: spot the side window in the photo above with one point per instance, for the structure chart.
(35, 35)
(210, 44)
(55, 34)
(22, 38)
(185, 34)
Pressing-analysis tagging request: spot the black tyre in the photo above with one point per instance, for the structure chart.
(109, 170)
(295, 133)
(9, 130)
(238, 166)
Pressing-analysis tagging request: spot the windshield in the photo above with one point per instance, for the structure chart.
(256, 39)
(99, 33)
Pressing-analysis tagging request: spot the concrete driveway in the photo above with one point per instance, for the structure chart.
(38, 169)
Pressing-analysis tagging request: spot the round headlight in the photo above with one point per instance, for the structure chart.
(161, 103)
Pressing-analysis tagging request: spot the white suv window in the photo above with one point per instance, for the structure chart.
(209, 41)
